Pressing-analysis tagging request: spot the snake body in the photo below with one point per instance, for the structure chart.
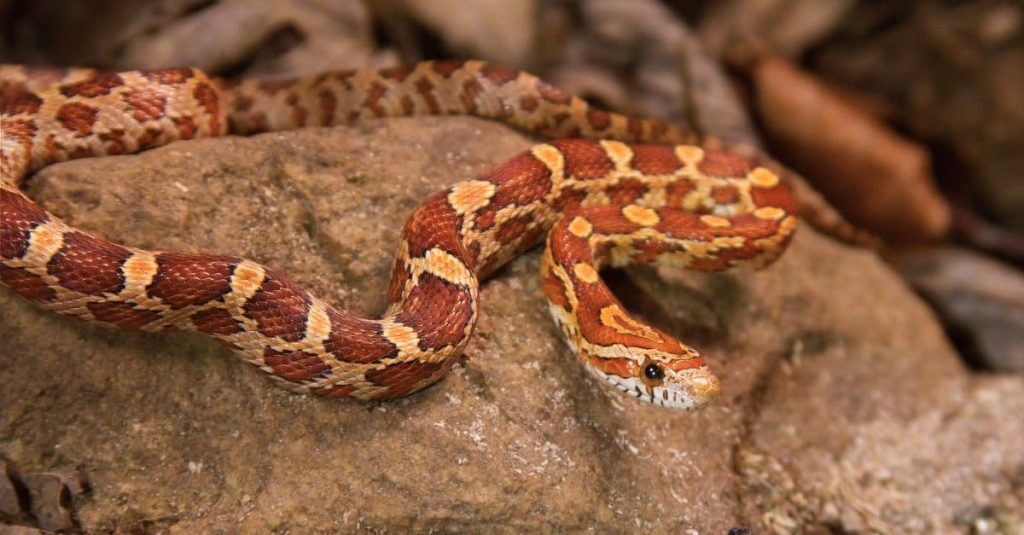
(600, 193)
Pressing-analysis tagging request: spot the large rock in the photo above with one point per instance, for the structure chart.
(843, 405)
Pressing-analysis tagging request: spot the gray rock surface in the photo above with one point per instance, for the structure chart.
(843, 405)
(979, 298)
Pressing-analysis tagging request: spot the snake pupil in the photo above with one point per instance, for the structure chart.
(654, 372)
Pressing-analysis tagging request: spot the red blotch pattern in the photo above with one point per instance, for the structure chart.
(89, 265)
(99, 85)
(724, 165)
(297, 366)
(405, 378)
(215, 321)
(584, 159)
(77, 117)
(655, 160)
(184, 279)
(28, 285)
(122, 314)
(279, 309)
(357, 340)
(441, 311)
(20, 217)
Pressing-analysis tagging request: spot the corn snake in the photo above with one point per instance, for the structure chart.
(600, 203)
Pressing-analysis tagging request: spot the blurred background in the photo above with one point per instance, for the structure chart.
(907, 116)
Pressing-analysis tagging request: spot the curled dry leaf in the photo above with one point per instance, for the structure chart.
(877, 178)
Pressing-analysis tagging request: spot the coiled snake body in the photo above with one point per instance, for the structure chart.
(600, 201)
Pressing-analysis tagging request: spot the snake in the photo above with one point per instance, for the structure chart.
(603, 190)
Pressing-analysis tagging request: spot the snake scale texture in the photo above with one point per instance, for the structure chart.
(607, 191)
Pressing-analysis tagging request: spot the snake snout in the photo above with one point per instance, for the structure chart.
(689, 389)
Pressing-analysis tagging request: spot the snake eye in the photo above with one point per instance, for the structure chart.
(654, 372)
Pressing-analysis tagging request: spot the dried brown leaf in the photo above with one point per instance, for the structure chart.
(877, 178)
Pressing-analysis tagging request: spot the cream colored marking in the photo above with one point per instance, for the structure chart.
(614, 317)
(698, 198)
(486, 239)
(14, 166)
(689, 154)
(473, 66)
(620, 351)
(469, 196)
(139, 270)
(578, 109)
(567, 322)
(559, 273)
(444, 265)
(552, 159)
(318, 323)
(245, 282)
(656, 196)
(772, 213)
(596, 198)
(729, 242)
(641, 216)
(619, 122)
(786, 228)
(403, 336)
(763, 178)
(700, 249)
(585, 272)
(45, 241)
(744, 203)
(580, 227)
(714, 221)
(770, 243)
(370, 391)
(621, 255)
(546, 263)
(674, 259)
(620, 154)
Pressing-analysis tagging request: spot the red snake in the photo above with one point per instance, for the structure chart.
(598, 198)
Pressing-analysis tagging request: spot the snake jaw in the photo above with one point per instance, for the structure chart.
(684, 390)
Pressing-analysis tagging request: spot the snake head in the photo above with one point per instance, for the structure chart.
(636, 358)
(675, 381)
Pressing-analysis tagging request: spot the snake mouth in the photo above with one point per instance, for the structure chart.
(684, 390)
